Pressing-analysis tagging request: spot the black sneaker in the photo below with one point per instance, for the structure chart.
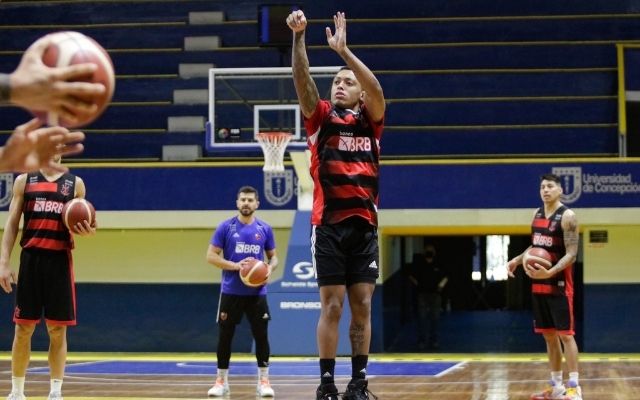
(328, 391)
(357, 390)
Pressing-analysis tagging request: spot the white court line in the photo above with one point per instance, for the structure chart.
(41, 369)
(459, 365)
(294, 381)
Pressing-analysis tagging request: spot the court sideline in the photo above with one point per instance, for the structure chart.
(120, 376)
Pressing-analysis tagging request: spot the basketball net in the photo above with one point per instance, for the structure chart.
(273, 146)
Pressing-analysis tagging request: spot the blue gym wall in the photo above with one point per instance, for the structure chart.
(181, 316)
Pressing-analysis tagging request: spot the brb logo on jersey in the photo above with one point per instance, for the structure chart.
(245, 248)
(354, 143)
(542, 240)
(41, 205)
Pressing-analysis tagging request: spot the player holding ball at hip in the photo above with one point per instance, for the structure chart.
(236, 244)
(45, 262)
(554, 229)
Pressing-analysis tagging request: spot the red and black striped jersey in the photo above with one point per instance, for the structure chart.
(42, 209)
(548, 234)
(345, 163)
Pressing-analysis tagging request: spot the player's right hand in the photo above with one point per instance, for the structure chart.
(7, 277)
(511, 266)
(296, 21)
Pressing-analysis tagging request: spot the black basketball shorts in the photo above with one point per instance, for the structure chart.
(46, 287)
(345, 253)
(232, 307)
(553, 313)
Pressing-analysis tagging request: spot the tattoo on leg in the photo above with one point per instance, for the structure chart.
(356, 334)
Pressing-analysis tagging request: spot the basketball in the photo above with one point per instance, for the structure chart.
(78, 210)
(70, 48)
(255, 274)
(538, 255)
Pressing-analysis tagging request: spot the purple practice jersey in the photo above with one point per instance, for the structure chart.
(239, 241)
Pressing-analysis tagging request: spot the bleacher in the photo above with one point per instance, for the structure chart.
(463, 80)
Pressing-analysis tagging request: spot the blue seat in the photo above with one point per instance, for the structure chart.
(455, 84)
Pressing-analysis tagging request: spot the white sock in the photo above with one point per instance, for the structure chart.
(56, 385)
(263, 373)
(556, 377)
(17, 384)
(574, 377)
(223, 374)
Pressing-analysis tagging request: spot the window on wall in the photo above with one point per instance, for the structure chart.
(490, 257)
(476, 267)
(497, 256)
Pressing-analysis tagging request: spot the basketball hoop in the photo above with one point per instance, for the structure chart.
(273, 146)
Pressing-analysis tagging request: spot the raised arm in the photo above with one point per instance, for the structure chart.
(306, 88)
(374, 97)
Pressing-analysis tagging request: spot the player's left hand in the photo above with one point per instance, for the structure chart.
(270, 271)
(85, 229)
(537, 271)
(338, 40)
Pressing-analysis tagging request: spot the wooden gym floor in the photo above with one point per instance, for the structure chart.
(391, 376)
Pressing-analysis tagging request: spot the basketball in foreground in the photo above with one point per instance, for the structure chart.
(70, 48)
(255, 274)
(538, 255)
(78, 210)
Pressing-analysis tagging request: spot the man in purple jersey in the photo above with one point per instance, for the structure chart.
(235, 242)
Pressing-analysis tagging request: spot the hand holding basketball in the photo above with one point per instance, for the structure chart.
(254, 273)
(537, 261)
(79, 216)
(65, 79)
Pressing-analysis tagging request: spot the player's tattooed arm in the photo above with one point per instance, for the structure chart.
(571, 240)
(306, 88)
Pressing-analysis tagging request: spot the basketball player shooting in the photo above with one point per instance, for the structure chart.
(343, 136)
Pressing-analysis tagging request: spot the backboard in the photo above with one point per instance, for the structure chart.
(246, 101)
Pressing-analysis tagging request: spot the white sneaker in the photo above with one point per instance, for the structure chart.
(553, 391)
(55, 396)
(264, 388)
(16, 396)
(221, 388)
(574, 391)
